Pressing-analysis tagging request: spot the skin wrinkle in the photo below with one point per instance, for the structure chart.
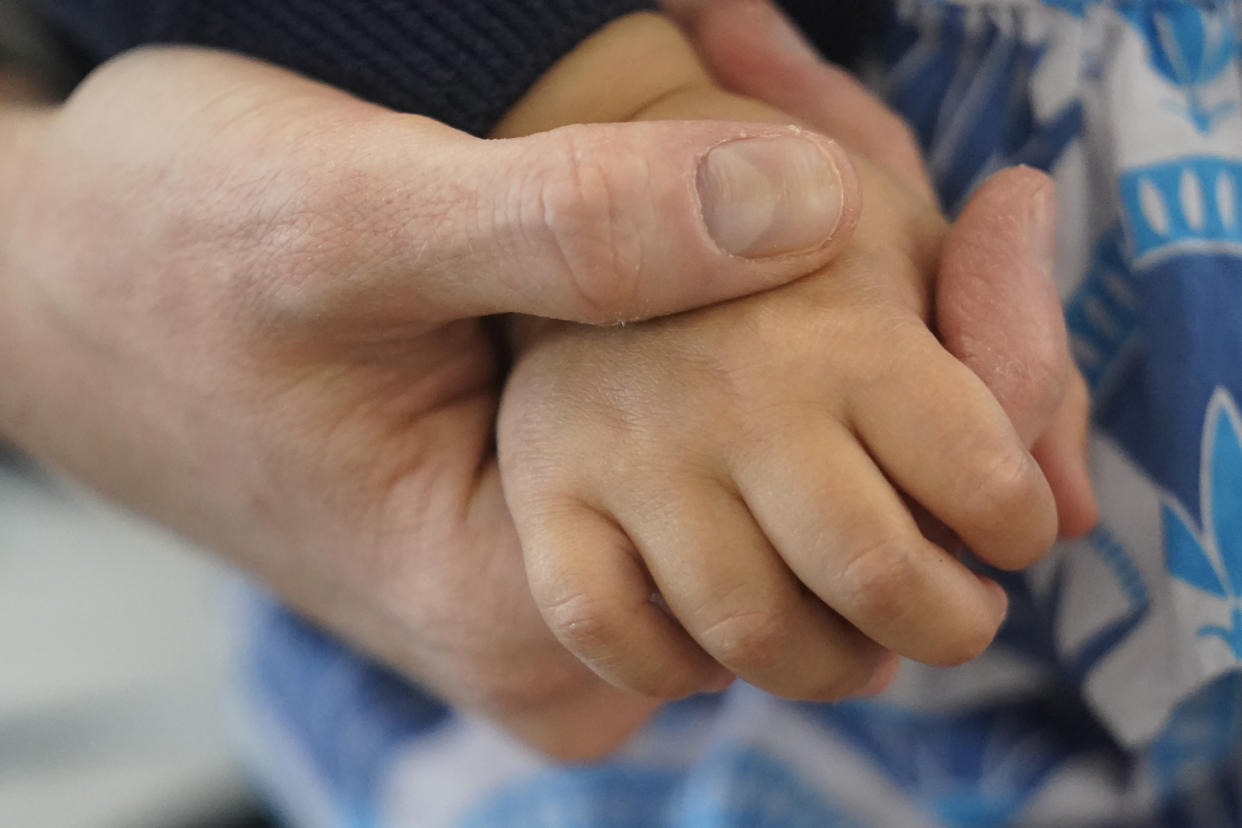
(879, 299)
(483, 543)
(928, 252)
(616, 258)
(635, 181)
(1034, 384)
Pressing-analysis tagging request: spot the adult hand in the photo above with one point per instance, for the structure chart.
(997, 308)
(247, 305)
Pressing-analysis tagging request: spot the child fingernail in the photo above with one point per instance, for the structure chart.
(765, 197)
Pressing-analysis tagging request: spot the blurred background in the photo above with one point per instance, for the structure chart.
(113, 669)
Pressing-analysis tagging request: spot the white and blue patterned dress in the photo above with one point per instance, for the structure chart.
(1114, 696)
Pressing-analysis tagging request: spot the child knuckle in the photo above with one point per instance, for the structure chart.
(749, 641)
(1004, 486)
(878, 579)
(585, 623)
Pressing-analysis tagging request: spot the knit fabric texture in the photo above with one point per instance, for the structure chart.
(463, 62)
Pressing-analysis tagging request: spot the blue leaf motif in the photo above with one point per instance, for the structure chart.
(971, 768)
(1231, 635)
(1186, 558)
(1187, 47)
(1224, 507)
(1212, 560)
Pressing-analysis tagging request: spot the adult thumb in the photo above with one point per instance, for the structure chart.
(600, 223)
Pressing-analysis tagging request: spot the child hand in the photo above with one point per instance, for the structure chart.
(750, 464)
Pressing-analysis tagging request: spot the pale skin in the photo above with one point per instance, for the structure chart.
(748, 462)
(994, 309)
(308, 395)
(247, 306)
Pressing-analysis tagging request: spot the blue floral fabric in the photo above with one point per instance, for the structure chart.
(1114, 695)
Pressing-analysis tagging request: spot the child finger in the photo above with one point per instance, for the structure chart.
(733, 594)
(597, 598)
(847, 534)
(939, 434)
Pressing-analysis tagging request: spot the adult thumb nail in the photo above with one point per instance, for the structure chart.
(764, 197)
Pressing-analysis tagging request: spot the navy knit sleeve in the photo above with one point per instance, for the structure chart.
(464, 62)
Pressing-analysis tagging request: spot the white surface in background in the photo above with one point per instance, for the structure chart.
(111, 667)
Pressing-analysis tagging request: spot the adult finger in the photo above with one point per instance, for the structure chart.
(998, 311)
(1061, 452)
(752, 48)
